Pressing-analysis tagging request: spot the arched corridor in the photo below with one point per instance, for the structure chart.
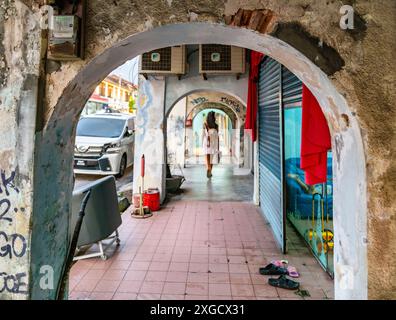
(42, 101)
(151, 135)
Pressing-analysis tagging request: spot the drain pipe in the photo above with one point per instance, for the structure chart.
(73, 245)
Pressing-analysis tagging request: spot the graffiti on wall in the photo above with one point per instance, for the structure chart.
(199, 100)
(235, 105)
(12, 245)
(144, 102)
(179, 128)
(175, 139)
(231, 103)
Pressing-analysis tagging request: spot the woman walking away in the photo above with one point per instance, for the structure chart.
(210, 141)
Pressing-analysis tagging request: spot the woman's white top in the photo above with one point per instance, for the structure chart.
(210, 141)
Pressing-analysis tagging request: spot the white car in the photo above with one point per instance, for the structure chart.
(104, 144)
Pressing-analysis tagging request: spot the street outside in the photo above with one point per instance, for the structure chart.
(122, 184)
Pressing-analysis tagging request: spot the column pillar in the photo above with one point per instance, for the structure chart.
(149, 135)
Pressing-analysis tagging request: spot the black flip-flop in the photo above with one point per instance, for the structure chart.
(272, 270)
(284, 283)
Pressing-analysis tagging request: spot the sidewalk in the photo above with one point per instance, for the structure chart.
(196, 250)
(227, 184)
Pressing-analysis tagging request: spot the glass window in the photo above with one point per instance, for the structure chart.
(100, 127)
(110, 91)
(102, 90)
(309, 208)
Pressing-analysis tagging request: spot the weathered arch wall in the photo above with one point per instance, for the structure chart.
(218, 106)
(365, 80)
(196, 101)
(181, 139)
(236, 105)
(194, 83)
(235, 137)
(351, 265)
(236, 109)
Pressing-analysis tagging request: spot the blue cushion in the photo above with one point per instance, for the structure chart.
(297, 200)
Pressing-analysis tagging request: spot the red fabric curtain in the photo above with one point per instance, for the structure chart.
(252, 99)
(315, 140)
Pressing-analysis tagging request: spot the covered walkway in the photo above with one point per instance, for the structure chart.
(228, 183)
(196, 250)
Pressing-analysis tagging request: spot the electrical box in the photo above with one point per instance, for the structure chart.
(64, 41)
(65, 27)
(66, 35)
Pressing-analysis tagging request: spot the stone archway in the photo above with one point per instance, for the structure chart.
(234, 100)
(54, 148)
(232, 138)
(208, 105)
(231, 103)
(238, 133)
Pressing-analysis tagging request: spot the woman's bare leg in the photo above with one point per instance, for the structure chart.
(210, 162)
(207, 160)
(208, 169)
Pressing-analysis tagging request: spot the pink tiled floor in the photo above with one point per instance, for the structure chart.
(196, 250)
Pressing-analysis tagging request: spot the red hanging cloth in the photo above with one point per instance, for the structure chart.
(252, 98)
(315, 140)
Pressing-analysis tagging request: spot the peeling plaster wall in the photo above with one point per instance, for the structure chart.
(176, 134)
(149, 135)
(19, 73)
(366, 81)
(373, 79)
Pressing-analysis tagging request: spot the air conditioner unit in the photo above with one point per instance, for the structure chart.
(170, 60)
(221, 59)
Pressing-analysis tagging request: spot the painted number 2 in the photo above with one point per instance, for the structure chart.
(5, 206)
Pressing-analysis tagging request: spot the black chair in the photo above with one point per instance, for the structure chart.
(102, 216)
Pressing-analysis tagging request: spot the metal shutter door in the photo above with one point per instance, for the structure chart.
(270, 147)
(291, 89)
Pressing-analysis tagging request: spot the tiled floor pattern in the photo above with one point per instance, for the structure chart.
(196, 250)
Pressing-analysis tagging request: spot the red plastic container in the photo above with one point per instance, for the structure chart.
(151, 199)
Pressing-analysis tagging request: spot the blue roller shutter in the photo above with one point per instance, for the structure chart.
(271, 147)
(291, 89)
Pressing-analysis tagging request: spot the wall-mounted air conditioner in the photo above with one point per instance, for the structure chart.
(170, 60)
(221, 59)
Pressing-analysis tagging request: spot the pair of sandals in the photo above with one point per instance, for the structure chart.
(277, 267)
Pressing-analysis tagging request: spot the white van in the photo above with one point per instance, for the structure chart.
(104, 144)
